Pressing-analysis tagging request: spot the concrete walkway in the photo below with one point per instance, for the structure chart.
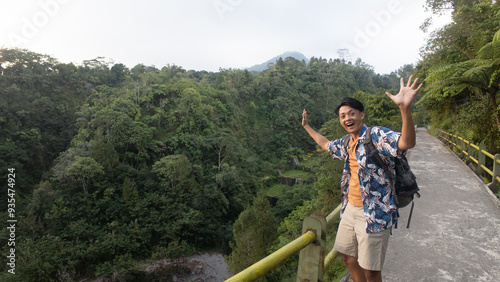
(455, 228)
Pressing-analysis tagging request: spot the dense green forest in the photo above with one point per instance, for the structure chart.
(117, 166)
(114, 165)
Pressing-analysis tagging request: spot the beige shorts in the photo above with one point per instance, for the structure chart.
(352, 240)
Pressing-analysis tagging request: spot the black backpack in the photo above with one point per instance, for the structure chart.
(405, 187)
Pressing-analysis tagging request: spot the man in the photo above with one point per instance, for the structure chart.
(368, 205)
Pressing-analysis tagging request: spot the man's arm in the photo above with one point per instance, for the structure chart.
(320, 139)
(404, 99)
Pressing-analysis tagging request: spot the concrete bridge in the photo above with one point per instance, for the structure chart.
(455, 229)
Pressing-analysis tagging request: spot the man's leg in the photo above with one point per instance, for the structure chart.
(347, 245)
(373, 276)
(357, 273)
(371, 249)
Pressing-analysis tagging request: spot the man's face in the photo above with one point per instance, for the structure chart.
(351, 119)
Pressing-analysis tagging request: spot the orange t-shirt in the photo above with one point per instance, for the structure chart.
(354, 195)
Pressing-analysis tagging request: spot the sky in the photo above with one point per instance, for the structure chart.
(213, 34)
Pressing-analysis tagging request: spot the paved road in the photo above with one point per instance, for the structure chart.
(455, 229)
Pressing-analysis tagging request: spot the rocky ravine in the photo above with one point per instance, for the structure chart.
(205, 267)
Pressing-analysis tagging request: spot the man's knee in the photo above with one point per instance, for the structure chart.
(348, 260)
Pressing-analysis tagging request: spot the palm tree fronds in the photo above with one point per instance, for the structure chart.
(496, 38)
(489, 51)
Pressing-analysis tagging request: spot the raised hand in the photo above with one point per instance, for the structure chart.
(406, 94)
(304, 118)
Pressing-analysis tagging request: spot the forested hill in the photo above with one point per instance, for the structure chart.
(115, 165)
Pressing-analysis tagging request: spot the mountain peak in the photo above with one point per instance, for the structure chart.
(294, 54)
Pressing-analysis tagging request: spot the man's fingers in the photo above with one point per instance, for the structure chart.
(409, 80)
(414, 83)
(420, 86)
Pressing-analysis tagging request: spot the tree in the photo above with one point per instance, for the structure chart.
(380, 110)
(175, 170)
(254, 231)
(130, 192)
(83, 169)
(41, 202)
(118, 74)
(116, 130)
(224, 144)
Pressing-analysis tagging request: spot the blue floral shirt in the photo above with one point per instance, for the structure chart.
(378, 202)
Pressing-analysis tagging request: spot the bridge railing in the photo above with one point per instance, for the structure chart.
(470, 151)
(311, 245)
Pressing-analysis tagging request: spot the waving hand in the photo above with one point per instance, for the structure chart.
(406, 94)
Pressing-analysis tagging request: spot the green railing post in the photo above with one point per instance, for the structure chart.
(495, 183)
(443, 137)
(470, 151)
(463, 151)
(312, 257)
(481, 161)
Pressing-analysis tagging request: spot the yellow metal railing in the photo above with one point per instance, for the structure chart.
(309, 239)
(270, 262)
(467, 149)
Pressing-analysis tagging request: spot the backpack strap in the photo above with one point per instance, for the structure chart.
(372, 153)
(409, 216)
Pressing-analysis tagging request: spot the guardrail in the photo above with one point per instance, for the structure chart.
(468, 150)
(311, 245)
